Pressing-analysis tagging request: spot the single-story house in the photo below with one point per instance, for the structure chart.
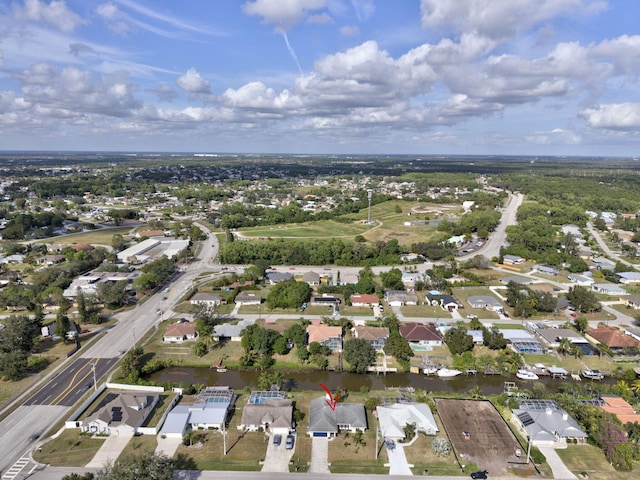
(516, 279)
(477, 335)
(545, 269)
(325, 300)
(632, 301)
(581, 280)
(210, 410)
(365, 300)
(446, 302)
(629, 278)
(485, 301)
(312, 278)
(409, 279)
(325, 335)
(603, 263)
(274, 415)
(51, 259)
(347, 279)
(612, 338)
(421, 333)
(376, 336)
(122, 412)
(180, 332)
(206, 298)
(327, 422)
(512, 260)
(547, 424)
(393, 418)
(229, 331)
(633, 332)
(553, 336)
(276, 277)
(608, 289)
(399, 298)
(620, 408)
(247, 298)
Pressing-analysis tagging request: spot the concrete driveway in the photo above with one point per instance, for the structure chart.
(319, 455)
(110, 450)
(398, 461)
(167, 446)
(278, 457)
(559, 469)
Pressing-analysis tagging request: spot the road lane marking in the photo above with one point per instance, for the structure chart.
(73, 383)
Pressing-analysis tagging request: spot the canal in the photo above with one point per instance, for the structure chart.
(311, 380)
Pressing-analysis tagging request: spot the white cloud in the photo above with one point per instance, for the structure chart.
(282, 14)
(614, 116)
(193, 82)
(56, 14)
(497, 19)
(165, 92)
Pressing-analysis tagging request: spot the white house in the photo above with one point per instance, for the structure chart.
(393, 419)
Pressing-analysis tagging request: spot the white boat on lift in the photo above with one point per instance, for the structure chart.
(524, 374)
(448, 372)
(592, 374)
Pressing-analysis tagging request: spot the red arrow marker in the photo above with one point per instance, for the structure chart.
(334, 401)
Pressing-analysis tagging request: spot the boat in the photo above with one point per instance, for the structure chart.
(592, 374)
(430, 369)
(220, 368)
(448, 372)
(526, 375)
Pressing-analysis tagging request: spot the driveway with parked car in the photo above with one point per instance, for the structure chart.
(278, 455)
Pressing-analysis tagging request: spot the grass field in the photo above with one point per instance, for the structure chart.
(389, 225)
(70, 449)
(94, 237)
(589, 460)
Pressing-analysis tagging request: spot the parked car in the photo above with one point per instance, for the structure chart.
(481, 474)
(289, 443)
(277, 439)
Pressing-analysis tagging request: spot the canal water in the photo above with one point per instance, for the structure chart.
(311, 380)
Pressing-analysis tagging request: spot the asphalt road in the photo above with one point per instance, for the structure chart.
(73, 382)
(22, 429)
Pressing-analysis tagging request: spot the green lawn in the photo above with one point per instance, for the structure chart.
(94, 237)
(390, 224)
(590, 460)
(70, 449)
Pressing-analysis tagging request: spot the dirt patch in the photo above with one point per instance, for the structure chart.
(479, 434)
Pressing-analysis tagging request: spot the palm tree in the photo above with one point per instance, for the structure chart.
(476, 393)
(635, 386)
(565, 346)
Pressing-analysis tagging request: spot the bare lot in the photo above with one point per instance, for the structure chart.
(490, 444)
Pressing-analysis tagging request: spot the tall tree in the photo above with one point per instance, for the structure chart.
(359, 354)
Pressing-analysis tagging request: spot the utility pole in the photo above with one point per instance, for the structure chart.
(224, 438)
(95, 383)
(369, 195)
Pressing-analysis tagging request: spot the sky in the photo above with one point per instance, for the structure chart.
(423, 77)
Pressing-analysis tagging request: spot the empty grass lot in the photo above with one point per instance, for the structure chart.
(590, 460)
(389, 225)
(70, 449)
